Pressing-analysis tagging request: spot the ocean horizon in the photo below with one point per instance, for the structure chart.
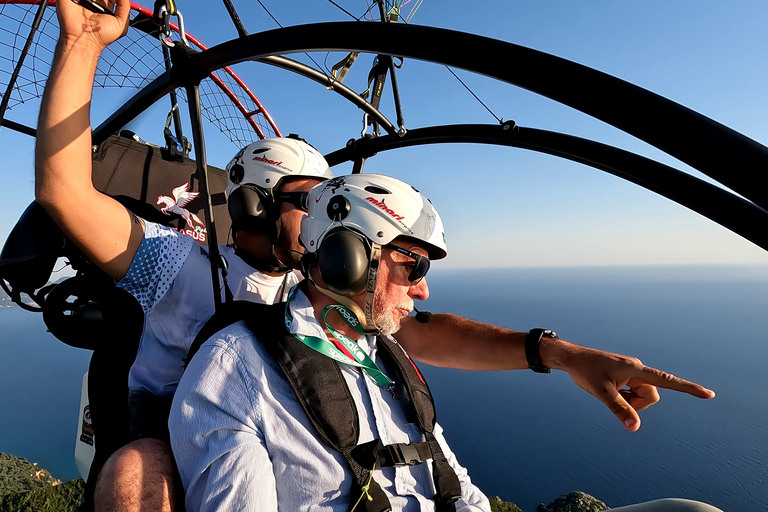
(523, 436)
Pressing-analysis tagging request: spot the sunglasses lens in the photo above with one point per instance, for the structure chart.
(304, 201)
(419, 270)
(297, 199)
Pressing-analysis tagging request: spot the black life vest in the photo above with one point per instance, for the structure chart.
(321, 390)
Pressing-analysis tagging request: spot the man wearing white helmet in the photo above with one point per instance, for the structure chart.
(169, 275)
(112, 237)
(167, 272)
(312, 403)
(240, 435)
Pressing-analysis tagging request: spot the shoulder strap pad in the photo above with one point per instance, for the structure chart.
(423, 405)
(317, 382)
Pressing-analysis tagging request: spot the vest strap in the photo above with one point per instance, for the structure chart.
(402, 454)
(366, 494)
(446, 482)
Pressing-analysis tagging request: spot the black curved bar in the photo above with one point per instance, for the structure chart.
(338, 87)
(21, 128)
(714, 149)
(157, 89)
(727, 209)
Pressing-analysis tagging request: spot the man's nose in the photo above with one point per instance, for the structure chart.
(419, 291)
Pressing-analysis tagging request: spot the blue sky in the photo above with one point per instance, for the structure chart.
(507, 207)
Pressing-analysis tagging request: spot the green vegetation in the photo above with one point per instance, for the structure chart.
(20, 475)
(25, 487)
(497, 505)
(60, 498)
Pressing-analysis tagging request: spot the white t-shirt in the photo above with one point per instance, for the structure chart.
(170, 276)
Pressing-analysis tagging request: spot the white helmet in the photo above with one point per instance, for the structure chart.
(350, 219)
(265, 163)
(377, 206)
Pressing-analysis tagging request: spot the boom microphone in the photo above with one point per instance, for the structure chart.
(423, 317)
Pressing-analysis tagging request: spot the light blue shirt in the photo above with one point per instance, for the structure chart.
(242, 441)
(170, 277)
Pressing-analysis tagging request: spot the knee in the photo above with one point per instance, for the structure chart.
(139, 476)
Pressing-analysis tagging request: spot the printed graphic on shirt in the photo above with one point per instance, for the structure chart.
(181, 197)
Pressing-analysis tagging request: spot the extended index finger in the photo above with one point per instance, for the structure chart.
(666, 380)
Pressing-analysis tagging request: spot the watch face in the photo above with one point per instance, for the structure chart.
(549, 334)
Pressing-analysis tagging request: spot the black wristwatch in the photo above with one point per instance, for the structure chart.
(532, 349)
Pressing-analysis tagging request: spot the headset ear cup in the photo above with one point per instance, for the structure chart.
(343, 259)
(249, 210)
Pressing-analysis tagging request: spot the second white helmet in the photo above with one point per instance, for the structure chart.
(265, 163)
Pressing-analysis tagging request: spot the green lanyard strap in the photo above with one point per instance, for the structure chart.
(355, 355)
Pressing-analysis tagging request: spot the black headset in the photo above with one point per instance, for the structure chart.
(344, 256)
(343, 260)
(252, 208)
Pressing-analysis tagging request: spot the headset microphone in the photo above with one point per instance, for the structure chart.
(423, 317)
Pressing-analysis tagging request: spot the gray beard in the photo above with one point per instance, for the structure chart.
(384, 319)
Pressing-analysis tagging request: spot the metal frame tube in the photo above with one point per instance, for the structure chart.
(15, 75)
(729, 210)
(195, 117)
(710, 147)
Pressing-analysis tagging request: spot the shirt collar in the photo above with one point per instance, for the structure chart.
(304, 321)
(306, 324)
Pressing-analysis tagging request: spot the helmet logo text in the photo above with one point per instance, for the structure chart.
(384, 207)
(267, 160)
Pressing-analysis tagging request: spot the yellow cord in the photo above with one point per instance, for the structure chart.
(365, 489)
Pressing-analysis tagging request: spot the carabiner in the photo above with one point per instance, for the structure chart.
(165, 32)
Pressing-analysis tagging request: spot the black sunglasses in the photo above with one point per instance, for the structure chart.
(297, 199)
(421, 267)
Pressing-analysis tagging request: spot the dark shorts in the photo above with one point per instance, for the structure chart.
(149, 418)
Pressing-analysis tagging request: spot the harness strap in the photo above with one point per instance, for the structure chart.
(403, 454)
(321, 390)
(447, 485)
(366, 493)
(419, 398)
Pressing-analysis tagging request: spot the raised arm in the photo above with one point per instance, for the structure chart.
(105, 231)
(624, 384)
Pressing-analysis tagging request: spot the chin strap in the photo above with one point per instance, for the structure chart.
(370, 287)
(368, 327)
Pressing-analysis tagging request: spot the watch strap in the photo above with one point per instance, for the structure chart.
(532, 354)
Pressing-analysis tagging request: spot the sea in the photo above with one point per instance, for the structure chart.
(528, 437)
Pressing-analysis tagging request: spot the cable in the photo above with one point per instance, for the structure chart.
(370, 8)
(345, 11)
(501, 121)
(270, 14)
(319, 67)
(413, 10)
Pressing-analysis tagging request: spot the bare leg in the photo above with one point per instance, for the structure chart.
(137, 478)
